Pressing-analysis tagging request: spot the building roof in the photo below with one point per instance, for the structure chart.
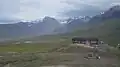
(85, 38)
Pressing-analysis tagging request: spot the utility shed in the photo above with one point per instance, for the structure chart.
(87, 41)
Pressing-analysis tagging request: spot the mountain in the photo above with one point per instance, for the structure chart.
(50, 24)
(112, 13)
(108, 31)
(13, 30)
(86, 25)
(86, 18)
(46, 26)
(105, 26)
(72, 24)
(75, 24)
(61, 29)
(24, 29)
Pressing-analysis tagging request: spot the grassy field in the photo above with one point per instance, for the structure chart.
(42, 44)
(26, 48)
(44, 52)
(30, 55)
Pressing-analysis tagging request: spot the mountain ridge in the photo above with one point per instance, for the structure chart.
(49, 25)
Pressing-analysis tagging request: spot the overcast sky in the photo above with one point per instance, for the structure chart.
(14, 10)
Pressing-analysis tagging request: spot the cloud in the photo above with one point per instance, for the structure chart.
(89, 7)
(13, 10)
(6, 20)
(33, 9)
(87, 10)
(8, 10)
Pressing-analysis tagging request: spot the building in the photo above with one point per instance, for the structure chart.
(87, 41)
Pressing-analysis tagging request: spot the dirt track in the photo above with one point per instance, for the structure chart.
(73, 56)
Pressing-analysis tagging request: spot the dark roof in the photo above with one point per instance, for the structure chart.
(84, 38)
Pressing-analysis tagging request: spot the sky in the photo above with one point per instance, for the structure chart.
(17, 10)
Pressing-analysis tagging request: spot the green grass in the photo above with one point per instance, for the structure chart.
(41, 47)
(26, 48)
(44, 44)
(30, 54)
(23, 49)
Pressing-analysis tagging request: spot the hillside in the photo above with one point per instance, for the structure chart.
(111, 13)
(107, 31)
(25, 29)
(105, 26)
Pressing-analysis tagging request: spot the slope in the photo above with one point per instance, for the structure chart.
(107, 31)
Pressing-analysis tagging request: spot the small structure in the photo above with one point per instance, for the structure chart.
(87, 41)
(28, 42)
(118, 46)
